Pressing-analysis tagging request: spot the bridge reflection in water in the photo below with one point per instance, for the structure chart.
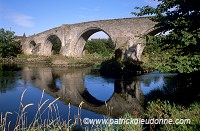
(70, 86)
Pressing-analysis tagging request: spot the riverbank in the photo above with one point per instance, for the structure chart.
(56, 60)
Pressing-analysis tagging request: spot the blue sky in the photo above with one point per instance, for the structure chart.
(34, 16)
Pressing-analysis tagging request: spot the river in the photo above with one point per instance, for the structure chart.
(101, 96)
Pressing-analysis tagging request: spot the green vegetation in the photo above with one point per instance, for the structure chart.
(104, 47)
(180, 19)
(120, 68)
(154, 57)
(165, 110)
(56, 44)
(8, 46)
(175, 49)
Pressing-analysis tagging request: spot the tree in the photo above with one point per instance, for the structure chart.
(8, 46)
(100, 46)
(181, 19)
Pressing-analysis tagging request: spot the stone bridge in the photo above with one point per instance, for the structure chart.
(127, 33)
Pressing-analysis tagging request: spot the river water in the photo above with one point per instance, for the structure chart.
(101, 96)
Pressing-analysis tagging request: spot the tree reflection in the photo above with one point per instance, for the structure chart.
(8, 77)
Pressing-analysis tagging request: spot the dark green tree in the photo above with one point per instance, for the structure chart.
(181, 20)
(9, 47)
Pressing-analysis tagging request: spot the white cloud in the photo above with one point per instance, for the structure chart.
(22, 20)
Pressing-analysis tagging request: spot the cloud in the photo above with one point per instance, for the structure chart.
(22, 20)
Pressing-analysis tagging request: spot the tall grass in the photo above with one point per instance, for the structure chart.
(37, 122)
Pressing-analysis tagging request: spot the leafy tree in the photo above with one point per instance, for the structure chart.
(181, 19)
(8, 46)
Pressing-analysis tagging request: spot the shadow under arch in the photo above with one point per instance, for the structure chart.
(32, 43)
(54, 43)
(84, 36)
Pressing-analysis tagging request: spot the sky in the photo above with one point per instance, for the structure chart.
(35, 16)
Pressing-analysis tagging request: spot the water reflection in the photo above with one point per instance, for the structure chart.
(71, 87)
(8, 77)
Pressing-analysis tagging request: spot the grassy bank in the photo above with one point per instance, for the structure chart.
(57, 60)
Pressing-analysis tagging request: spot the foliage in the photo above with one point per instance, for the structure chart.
(164, 110)
(180, 18)
(8, 46)
(118, 68)
(132, 67)
(100, 46)
(167, 60)
(112, 67)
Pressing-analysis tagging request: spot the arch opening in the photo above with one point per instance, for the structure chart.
(32, 44)
(94, 40)
(55, 44)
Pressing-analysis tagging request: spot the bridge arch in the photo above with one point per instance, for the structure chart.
(32, 44)
(52, 44)
(84, 36)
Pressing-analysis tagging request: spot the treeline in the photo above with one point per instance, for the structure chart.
(104, 47)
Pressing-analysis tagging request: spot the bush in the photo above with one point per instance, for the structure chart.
(111, 68)
(164, 110)
(117, 68)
